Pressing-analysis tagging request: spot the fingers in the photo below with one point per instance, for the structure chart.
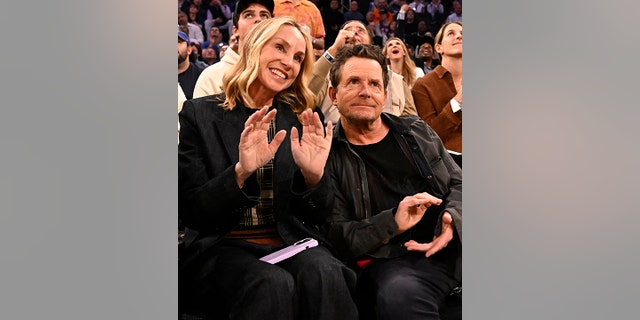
(312, 124)
(426, 199)
(329, 131)
(294, 137)
(278, 138)
(412, 245)
(418, 203)
(446, 218)
(261, 118)
(438, 243)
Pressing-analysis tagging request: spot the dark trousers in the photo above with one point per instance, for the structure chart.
(230, 280)
(410, 286)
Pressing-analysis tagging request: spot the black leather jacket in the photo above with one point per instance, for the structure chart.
(353, 229)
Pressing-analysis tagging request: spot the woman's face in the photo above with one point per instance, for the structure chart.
(280, 60)
(394, 49)
(451, 44)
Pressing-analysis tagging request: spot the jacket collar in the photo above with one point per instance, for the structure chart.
(401, 125)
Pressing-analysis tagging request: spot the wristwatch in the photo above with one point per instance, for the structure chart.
(328, 56)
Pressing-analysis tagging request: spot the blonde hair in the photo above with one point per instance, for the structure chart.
(237, 80)
(408, 66)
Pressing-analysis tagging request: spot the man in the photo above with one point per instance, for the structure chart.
(398, 193)
(382, 5)
(246, 15)
(215, 38)
(187, 72)
(399, 100)
(217, 15)
(307, 14)
(194, 31)
(426, 60)
(456, 15)
(354, 12)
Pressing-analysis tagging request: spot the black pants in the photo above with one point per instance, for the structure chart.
(231, 280)
(410, 286)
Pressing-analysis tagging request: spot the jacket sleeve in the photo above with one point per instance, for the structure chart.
(203, 181)
(448, 174)
(409, 103)
(319, 80)
(314, 205)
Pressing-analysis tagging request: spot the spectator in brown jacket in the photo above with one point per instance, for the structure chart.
(438, 95)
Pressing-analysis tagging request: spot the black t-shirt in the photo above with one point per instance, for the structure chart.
(188, 78)
(391, 176)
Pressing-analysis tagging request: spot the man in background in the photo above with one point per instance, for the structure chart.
(187, 72)
(246, 15)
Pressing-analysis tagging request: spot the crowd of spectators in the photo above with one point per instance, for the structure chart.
(206, 20)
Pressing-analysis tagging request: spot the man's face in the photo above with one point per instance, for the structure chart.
(184, 50)
(422, 26)
(360, 94)
(215, 34)
(248, 19)
(361, 35)
(457, 7)
(426, 51)
(354, 6)
(182, 18)
(209, 53)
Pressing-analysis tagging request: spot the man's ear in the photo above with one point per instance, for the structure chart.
(332, 94)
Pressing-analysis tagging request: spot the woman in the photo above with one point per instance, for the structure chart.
(247, 190)
(438, 95)
(400, 61)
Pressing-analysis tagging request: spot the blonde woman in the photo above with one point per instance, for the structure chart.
(400, 62)
(251, 181)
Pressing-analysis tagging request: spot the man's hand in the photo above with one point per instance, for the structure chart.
(439, 242)
(344, 37)
(254, 149)
(412, 208)
(311, 152)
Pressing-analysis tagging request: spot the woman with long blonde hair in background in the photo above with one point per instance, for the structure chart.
(400, 62)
